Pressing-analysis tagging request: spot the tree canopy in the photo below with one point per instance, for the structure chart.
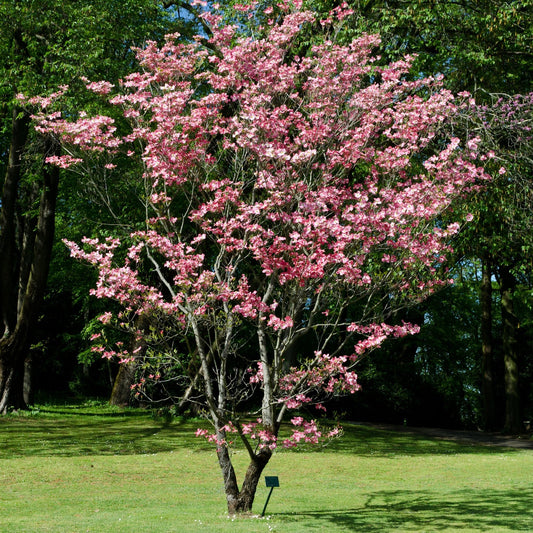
(287, 196)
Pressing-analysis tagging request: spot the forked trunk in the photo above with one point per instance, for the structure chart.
(241, 501)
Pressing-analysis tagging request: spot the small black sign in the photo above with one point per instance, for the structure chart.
(272, 481)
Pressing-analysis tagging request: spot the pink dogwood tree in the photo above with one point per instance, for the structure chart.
(292, 203)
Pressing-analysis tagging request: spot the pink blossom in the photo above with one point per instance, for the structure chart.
(63, 161)
(105, 318)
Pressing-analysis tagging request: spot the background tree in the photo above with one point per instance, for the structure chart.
(430, 379)
(485, 47)
(45, 44)
(503, 239)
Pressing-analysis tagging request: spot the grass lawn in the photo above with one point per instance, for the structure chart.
(86, 468)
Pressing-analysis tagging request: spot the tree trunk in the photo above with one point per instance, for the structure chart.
(9, 252)
(121, 393)
(242, 501)
(230, 479)
(487, 377)
(27, 381)
(251, 480)
(513, 423)
(11, 374)
(15, 344)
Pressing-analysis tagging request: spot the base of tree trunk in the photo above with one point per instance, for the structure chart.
(241, 502)
(11, 390)
(121, 393)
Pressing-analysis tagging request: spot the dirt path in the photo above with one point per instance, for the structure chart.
(478, 437)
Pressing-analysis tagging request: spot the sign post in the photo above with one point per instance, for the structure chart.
(271, 481)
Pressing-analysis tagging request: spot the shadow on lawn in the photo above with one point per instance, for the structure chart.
(474, 510)
(68, 433)
(69, 437)
(372, 442)
(113, 435)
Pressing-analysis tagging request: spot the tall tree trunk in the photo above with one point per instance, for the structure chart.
(15, 344)
(9, 252)
(513, 421)
(11, 373)
(487, 376)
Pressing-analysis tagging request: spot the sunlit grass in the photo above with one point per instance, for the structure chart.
(89, 468)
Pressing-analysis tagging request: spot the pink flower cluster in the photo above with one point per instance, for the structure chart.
(323, 375)
(378, 333)
(264, 437)
(304, 431)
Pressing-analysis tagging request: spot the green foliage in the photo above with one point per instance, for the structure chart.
(473, 43)
(52, 42)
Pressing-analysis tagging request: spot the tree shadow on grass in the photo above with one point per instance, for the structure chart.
(405, 510)
(368, 441)
(78, 436)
